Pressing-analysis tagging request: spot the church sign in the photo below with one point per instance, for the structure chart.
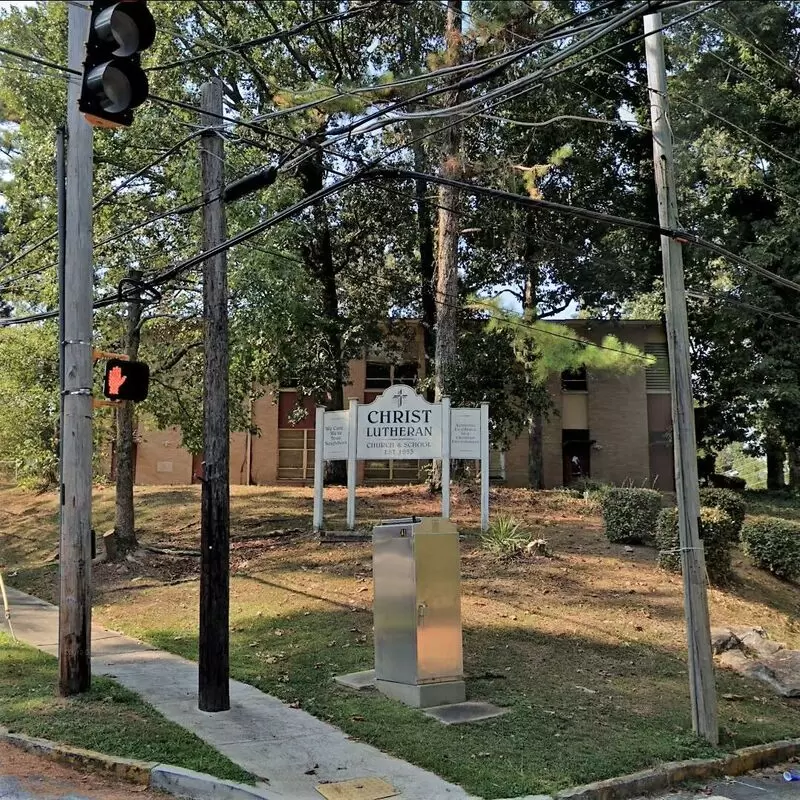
(401, 425)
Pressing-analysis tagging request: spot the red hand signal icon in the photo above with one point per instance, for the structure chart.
(115, 380)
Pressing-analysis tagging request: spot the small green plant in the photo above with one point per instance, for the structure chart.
(590, 487)
(506, 536)
(732, 503)
(774, 545)
(630, 514)
(716, 532)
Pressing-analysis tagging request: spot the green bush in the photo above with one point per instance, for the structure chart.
(630, 514)
(732, 503)
(506, 536)
(774, 544)
(717, 532)
(589, 487)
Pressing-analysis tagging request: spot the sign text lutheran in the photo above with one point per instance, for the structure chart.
(401, 425)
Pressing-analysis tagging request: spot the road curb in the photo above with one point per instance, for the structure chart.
(125, 768)
(164, 777)
(674, 773)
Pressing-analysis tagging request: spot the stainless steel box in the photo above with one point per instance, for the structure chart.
(417, 611)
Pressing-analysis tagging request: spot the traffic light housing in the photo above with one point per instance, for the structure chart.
(114, 82)
(126, 380)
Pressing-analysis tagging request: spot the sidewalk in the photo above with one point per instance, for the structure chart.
(261, 734)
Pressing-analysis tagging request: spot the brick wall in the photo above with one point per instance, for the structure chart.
(618, 426)
(621, 416)
(264, 467)
(160, 458)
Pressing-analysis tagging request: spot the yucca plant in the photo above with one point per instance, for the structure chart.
(506, 536)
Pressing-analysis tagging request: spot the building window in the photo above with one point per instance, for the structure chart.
(295, 436)
(574, 380)
(381, 375)
(295, 454)
(657, 374)
(497, 465)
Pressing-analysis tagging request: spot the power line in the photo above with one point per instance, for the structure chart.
(727, 298)
(266, 39)
(105, 199)
(40, 61)
(649, 227)
(500, 318)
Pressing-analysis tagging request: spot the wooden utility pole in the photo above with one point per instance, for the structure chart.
(698, 633)
(75, 608)
(214, 693)
(123, 540)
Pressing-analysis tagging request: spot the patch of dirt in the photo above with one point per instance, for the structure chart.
(46, 779)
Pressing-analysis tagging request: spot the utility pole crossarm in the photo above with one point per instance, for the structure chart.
(701, 664)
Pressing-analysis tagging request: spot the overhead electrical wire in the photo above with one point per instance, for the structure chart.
(267, 38)
(104, 199)
(727, 298)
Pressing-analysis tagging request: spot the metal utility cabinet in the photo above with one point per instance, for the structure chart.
(417, 611)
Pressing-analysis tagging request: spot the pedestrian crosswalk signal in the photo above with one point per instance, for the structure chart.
(126, 380)
(114, 82)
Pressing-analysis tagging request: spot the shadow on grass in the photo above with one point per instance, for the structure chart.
(109, 718)
(580, 710)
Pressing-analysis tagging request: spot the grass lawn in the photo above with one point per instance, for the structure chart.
(587, 648)
(109, 719)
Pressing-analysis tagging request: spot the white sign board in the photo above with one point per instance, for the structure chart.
(465, 433)
(335, 436)
(400, 424)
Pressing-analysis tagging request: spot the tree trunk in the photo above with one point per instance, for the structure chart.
(447, 235)
(124, 518)
(319, 261)
(536, 451)
(776, 456)
(793, 452)
(536, 422)
(427, 269)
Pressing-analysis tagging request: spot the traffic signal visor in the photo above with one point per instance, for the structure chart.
(126, 380)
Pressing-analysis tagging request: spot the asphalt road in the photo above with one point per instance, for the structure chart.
(27, 777)
(764, 785)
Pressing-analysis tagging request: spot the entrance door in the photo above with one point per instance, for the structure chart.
(577, 455)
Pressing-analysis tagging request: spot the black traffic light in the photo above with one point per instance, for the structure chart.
(114, 82)
(126, 380)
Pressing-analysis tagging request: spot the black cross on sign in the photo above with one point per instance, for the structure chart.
(399, 395)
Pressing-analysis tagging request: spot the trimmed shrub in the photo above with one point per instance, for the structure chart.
(729, 501)
(630, 514)
(716, 531)
(774, 544)
(725, 482)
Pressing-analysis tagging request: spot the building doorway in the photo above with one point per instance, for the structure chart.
(577, 450)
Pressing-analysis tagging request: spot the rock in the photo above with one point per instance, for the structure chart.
(628, 548)
(756, 641)
(781, 671)
(723, 639)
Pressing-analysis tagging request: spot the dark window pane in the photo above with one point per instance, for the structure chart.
(574, 380)
(406, 373)
(379, 375)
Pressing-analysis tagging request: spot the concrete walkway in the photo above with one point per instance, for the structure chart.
(260, 733)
